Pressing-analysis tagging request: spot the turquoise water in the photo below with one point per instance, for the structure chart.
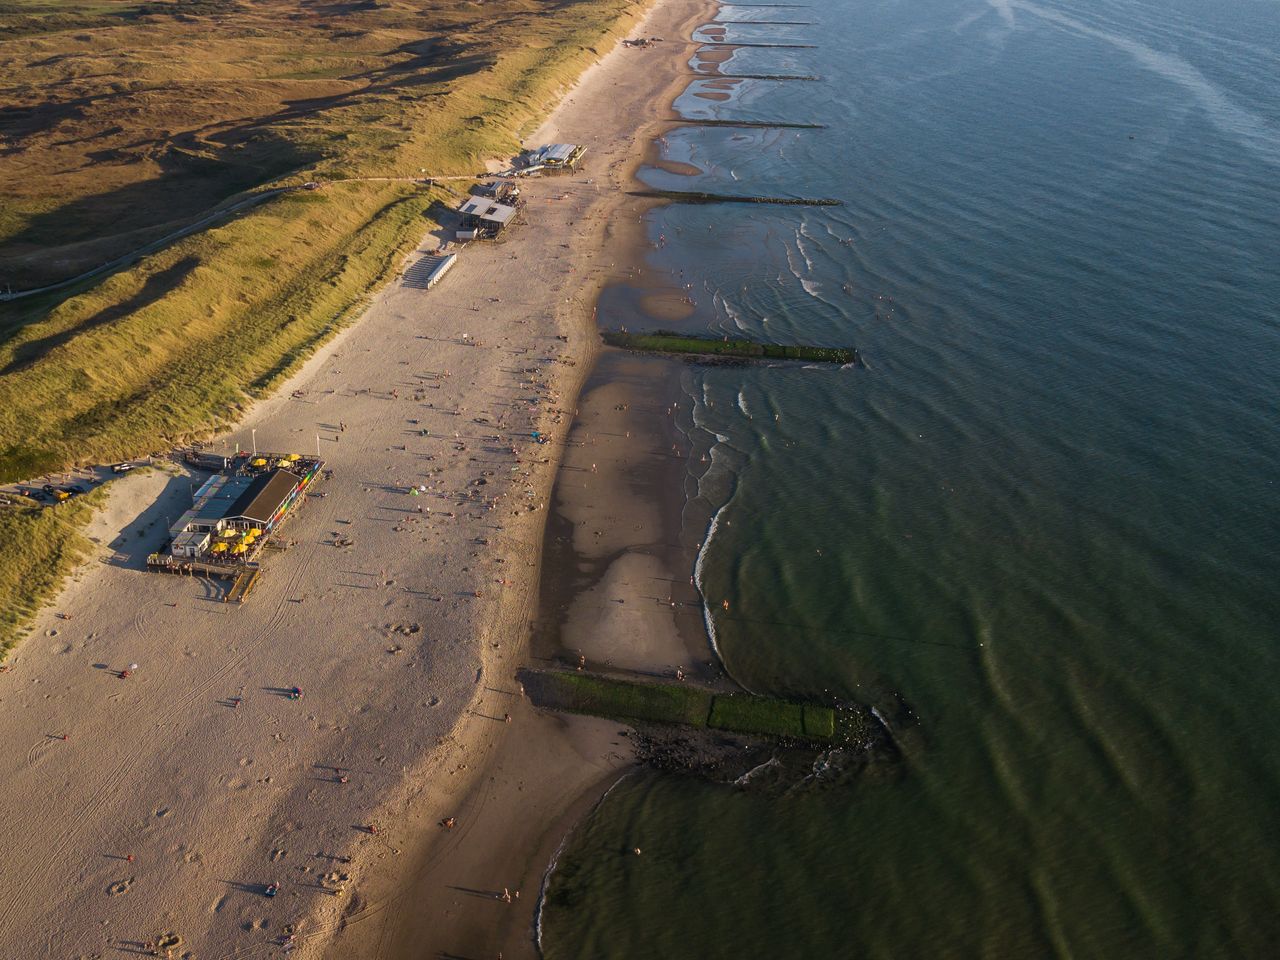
(1039, 533)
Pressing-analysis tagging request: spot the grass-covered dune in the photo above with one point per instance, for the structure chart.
(123, 121)
(41, 546)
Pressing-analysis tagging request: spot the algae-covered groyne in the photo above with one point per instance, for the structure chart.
(665, 341)
(692, 706)
(700, 196)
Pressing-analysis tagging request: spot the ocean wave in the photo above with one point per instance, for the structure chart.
(733, 315)
(540, 908)
(802, 236)
(707, 620)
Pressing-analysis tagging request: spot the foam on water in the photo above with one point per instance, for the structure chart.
(1250, 130)
(699, 582)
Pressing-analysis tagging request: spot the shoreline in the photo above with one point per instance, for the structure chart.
(169, 802)
(586, 755)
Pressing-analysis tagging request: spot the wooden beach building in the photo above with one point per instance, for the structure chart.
(240, 503)
(554, 157)
(484, 217)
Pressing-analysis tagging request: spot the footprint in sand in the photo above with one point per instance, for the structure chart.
(217, 905)
(277, 855)
(119, 887)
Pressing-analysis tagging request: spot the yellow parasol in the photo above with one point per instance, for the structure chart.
(219, 548)
(293, 458)
(259, 462)
(239, 548)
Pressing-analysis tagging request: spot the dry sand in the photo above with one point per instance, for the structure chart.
(535, 777)
(167, 801)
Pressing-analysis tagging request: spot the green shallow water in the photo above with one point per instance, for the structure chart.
(1039, 534)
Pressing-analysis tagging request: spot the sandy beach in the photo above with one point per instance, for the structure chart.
(167, 800)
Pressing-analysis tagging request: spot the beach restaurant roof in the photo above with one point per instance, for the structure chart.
(265, 496)
(211, 503)
(488, 209)
(557, 153)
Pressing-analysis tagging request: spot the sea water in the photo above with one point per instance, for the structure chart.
(1038, 532)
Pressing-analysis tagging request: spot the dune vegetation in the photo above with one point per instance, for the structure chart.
(41, 548)
(125, 121)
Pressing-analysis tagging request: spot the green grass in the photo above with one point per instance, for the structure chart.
(194, 333)
(177, 346)
(663, 341)
(42, 546)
